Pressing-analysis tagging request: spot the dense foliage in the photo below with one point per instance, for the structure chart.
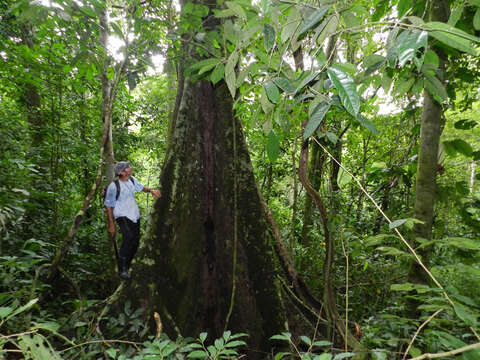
(343, 82)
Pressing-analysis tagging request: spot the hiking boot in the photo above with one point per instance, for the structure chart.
(122, 269)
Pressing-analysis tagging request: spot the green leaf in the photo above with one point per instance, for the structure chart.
(462, 243)
(325, 29)
(306, 340)
(435, 87)
(219, 14)
(314, 19)
(344, 355)
(414, 352)
(284, 336)
(476, 20)
(273, 146)
(402, 86)
(217, 73)
(197, 354)
(388, 250)
(5, 311)
(202, 336)
(323, 357)
(409, 42)
(203, 64)
(272, 91)
(22, 308)
(350, 19)
(111, 352)
(230, 76)
(451, 36)
(367, 124)
(236, 343)
(465, 124)
(459, 145)
(431, 58)
(455, 15)
(237, 9)
(293, 21)
(322, 343)
(397, 223)
(280, 355)
(268, 37)
(285, 85)
(466, 316)
(316, 119)
(403, 6)
(307, 77)
(346, 89)
(372, 60)
(333, 138)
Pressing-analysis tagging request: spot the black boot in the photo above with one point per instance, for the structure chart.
(122, 269)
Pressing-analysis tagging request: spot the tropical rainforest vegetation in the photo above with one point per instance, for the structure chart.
(318, 163)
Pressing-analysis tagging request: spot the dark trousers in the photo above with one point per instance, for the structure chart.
(131, 237)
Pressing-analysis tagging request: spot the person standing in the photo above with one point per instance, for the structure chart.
(120, 205)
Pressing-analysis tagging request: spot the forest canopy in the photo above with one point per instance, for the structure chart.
(318, 169)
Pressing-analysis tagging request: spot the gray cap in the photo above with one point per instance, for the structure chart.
(121, 166)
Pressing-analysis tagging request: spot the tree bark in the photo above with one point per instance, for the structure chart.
(208, 254)
(430, 131)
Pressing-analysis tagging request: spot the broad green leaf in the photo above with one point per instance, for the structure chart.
(462, 243)
(203, 63)
(380, 10)
(307, 77)
(386, 83)
(397, 223)
(197, 354)
(414, 352)
(455, 15)
(465, 315)
(431, 58)
(22, 308)
(322, 343)
(306, 340)
(378, 239)
(403, 6)
(350, 19)
(273, 146)
(314, 19)
(325, 29)
(371, 60)
(465, 124)
(280, 355)
(343, 355)
(267, 106)
(293, 21)
(272, 91)
(202, 336)
(112, 352)
(402, 287)
(235, 343)
(315, 119)
(208, 67)
(230, 76)
(117, 30)
(284, 336)
(346, 89)
(237, 9)
(451, 36)
(219, 343)
(409, 42)
(362, 120)
(476, 20)
(268, 37)
(475, 2)
(217, 73)
(223, 13)
(323, 357)
(402, 86)
(5, 311)
(285, 85)
(388, 250)
(435, 87)
(333, 138)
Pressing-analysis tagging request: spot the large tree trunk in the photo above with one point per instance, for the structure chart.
(208, 241)
(430, 131)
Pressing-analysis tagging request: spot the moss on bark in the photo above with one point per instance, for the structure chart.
(185, 263)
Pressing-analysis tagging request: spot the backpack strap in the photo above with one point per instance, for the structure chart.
(117, 184)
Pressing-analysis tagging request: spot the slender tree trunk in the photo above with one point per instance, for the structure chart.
(430, 131)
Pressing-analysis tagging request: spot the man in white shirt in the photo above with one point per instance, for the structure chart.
(120, 204)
